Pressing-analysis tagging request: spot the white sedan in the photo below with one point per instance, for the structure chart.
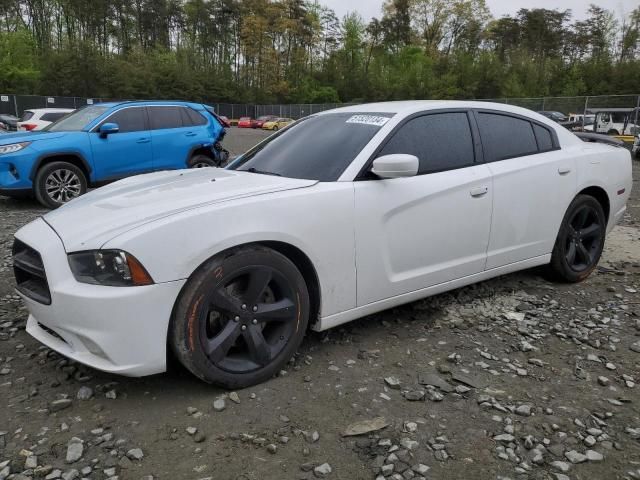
(340, 215)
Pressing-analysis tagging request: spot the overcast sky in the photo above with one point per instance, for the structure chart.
(372, 8)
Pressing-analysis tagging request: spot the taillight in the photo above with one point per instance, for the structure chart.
(28, 126)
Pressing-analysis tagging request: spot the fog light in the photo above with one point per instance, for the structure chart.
(14, 171)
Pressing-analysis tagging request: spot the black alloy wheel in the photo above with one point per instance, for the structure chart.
(583, 238)
(241, 318)
(580, 241)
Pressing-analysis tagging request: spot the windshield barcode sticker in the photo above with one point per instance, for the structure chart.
(368, 120)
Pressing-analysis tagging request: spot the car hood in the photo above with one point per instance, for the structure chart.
(92, 220)
(17, 137)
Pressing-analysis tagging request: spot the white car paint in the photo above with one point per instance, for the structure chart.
(373, 244)
(36, 118)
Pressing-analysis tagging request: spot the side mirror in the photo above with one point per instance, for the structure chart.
(108, 129)
(396, 165)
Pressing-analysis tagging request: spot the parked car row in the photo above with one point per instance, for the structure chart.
(610, 121)
(266, 122)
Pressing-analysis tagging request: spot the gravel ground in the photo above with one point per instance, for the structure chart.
(517, 377)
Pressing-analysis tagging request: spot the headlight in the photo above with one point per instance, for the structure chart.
(113, 268)
(14, 147)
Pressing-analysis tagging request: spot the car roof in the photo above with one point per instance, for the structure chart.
(180, 103)
(413, 106)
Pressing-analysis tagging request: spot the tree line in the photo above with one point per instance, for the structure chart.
(299, 51)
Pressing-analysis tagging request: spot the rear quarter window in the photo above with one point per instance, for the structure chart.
(27, 115)
(192, 118)
(543, 137)
(504, 136)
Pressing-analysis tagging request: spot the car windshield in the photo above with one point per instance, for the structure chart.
(77, 120)
(314, 148)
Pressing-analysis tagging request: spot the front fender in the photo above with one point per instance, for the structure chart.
(317, 220)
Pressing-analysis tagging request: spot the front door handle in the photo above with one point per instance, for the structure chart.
(190, 134)
(143, 140)
(479, 192)
(564, 170)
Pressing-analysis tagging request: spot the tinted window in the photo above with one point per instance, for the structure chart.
(192, 118)
(52, 117)
(543, 137)
(315, 148)
(129, 119)
(26, 116)
(505, 137)
(441, 141)
(165, 117)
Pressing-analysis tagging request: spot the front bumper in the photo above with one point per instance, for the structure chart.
(115, 329)
(15, 169)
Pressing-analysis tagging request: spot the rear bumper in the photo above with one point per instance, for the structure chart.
(115, 329)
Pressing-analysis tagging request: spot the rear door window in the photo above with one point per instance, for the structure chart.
(504, 136)
(192, 118)
(129, 119)
(165, 117)
(441, 141)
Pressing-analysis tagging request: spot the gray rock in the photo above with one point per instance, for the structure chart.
(392, 382)
(435, 381)
(135, 454)
(233, 396)
(524, 410)
(322, 471)
(504, 437)
(414, 395)
(59, 404)
(75, 448)
(85, 393)
(575, 457)
(31, 462)
(219, 404)
(272, 448)
(594, 456)
(70, 475)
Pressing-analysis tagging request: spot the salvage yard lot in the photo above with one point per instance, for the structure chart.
(535, 379)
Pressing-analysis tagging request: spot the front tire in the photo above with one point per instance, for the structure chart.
(59, 182)
(201, 161)
(580, 241)
(240, 317)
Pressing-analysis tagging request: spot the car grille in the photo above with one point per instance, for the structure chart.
(29, 271)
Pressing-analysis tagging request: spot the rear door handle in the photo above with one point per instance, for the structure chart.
(564, 170)
(479, 192)
(190, 134)
(143, 140)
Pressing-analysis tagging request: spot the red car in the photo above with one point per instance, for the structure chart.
(260, 121)
(245, 122)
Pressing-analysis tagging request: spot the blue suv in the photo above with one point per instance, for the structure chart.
(104, 142)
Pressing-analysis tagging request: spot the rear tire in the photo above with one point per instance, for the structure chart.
(240, 317)
(57, 183)
(580, 241)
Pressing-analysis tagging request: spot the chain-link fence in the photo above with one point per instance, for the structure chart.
(615, 114)
(17, 104)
